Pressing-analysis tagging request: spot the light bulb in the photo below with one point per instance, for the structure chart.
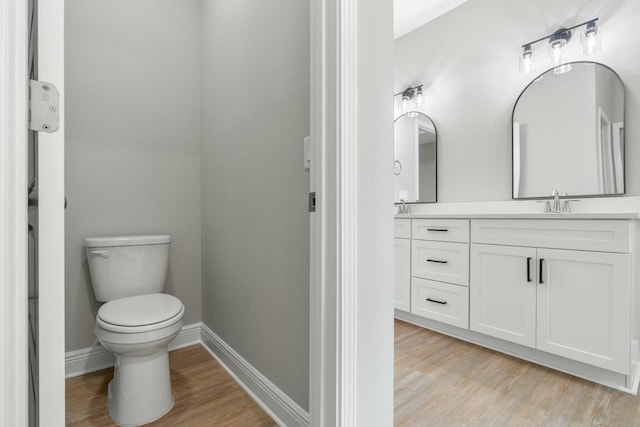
(557, 52)
(527, 65)
(405, 103)
(419, 97)
(557, 43)
(590, 39)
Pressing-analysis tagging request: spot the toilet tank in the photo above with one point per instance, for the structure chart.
(125, 266)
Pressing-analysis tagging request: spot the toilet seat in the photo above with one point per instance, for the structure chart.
(140, 313)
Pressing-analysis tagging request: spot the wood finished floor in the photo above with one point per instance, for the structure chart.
(439, 381)
(442, 381)
(205, 394)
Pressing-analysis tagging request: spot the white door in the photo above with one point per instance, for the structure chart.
(502, 300)
(402, 274)
(583, 307)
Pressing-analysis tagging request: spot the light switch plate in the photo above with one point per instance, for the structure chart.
(307, 153)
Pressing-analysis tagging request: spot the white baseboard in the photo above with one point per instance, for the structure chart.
(188, 335)
(95, 358)
(274, 401)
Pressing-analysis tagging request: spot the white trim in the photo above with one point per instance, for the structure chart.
(274, 401)
(13, 214)
(51, 263)
(333, 309)
(95, 358)
(347, 209)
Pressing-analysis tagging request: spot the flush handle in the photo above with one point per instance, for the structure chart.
(103, 254)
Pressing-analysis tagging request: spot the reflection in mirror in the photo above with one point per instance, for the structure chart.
(568, 133)
(415, 158)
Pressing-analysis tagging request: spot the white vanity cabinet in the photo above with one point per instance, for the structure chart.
(402, 268)
(568, 302)
(559, 291)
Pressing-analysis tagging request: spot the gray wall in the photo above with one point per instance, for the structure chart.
(468, 61)
(255, 225)
(133, 141)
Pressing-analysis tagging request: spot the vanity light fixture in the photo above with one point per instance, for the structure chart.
(411, 98)
(557, 44)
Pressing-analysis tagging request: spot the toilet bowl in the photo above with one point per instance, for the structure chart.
(138, 330)
(136, 323)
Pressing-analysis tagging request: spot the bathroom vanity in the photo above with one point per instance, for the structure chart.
(555, 289)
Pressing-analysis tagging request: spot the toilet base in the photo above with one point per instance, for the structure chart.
(140, 391)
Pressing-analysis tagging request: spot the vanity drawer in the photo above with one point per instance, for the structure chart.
(442, 261)
(402, 228)
(588, 235)
(442, 230)
(440, 301)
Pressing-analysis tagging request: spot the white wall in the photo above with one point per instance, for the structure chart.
(132, 141)
(468, 61)
(255, 228)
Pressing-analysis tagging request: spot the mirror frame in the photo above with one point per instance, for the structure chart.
(435, 129)
(624, 145)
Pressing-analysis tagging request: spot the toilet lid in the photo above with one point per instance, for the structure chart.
(140, 310)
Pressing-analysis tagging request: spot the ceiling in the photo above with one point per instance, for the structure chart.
(411, 14)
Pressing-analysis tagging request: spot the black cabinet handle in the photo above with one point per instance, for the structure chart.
(439, 261)
(437, 229)
(529, 269)
(540, 276)
(436, 301)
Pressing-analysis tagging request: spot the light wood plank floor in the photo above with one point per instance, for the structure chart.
(205, 396)
(441, 381)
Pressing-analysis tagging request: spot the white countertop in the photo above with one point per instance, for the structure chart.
(520, 215)
(588, 208)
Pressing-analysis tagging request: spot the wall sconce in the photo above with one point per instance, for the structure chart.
(411, 98)
(591, 43)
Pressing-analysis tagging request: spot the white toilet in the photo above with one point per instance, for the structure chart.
(136, 323)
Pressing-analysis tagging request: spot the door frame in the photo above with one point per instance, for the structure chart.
(13, 213)
(351, 294)
(14, 407)
(333, 275)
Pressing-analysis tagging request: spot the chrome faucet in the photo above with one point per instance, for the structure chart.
(556, 202)
(558, 207)
(566, 207)
(403, 208)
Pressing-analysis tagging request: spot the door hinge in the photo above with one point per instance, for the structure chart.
(312, 201)
(44, 106)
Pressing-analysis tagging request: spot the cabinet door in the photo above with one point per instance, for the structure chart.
(583, 307)
(402, 276)
(502, 292)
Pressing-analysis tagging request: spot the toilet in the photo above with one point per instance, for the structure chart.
(136, 323)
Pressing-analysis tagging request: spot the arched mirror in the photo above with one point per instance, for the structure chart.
(568, 133)
(415, 158)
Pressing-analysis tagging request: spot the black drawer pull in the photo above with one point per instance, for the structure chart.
(439, 261)
(528, 269)
(436, 301)
(437, 229)
(540, 278)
